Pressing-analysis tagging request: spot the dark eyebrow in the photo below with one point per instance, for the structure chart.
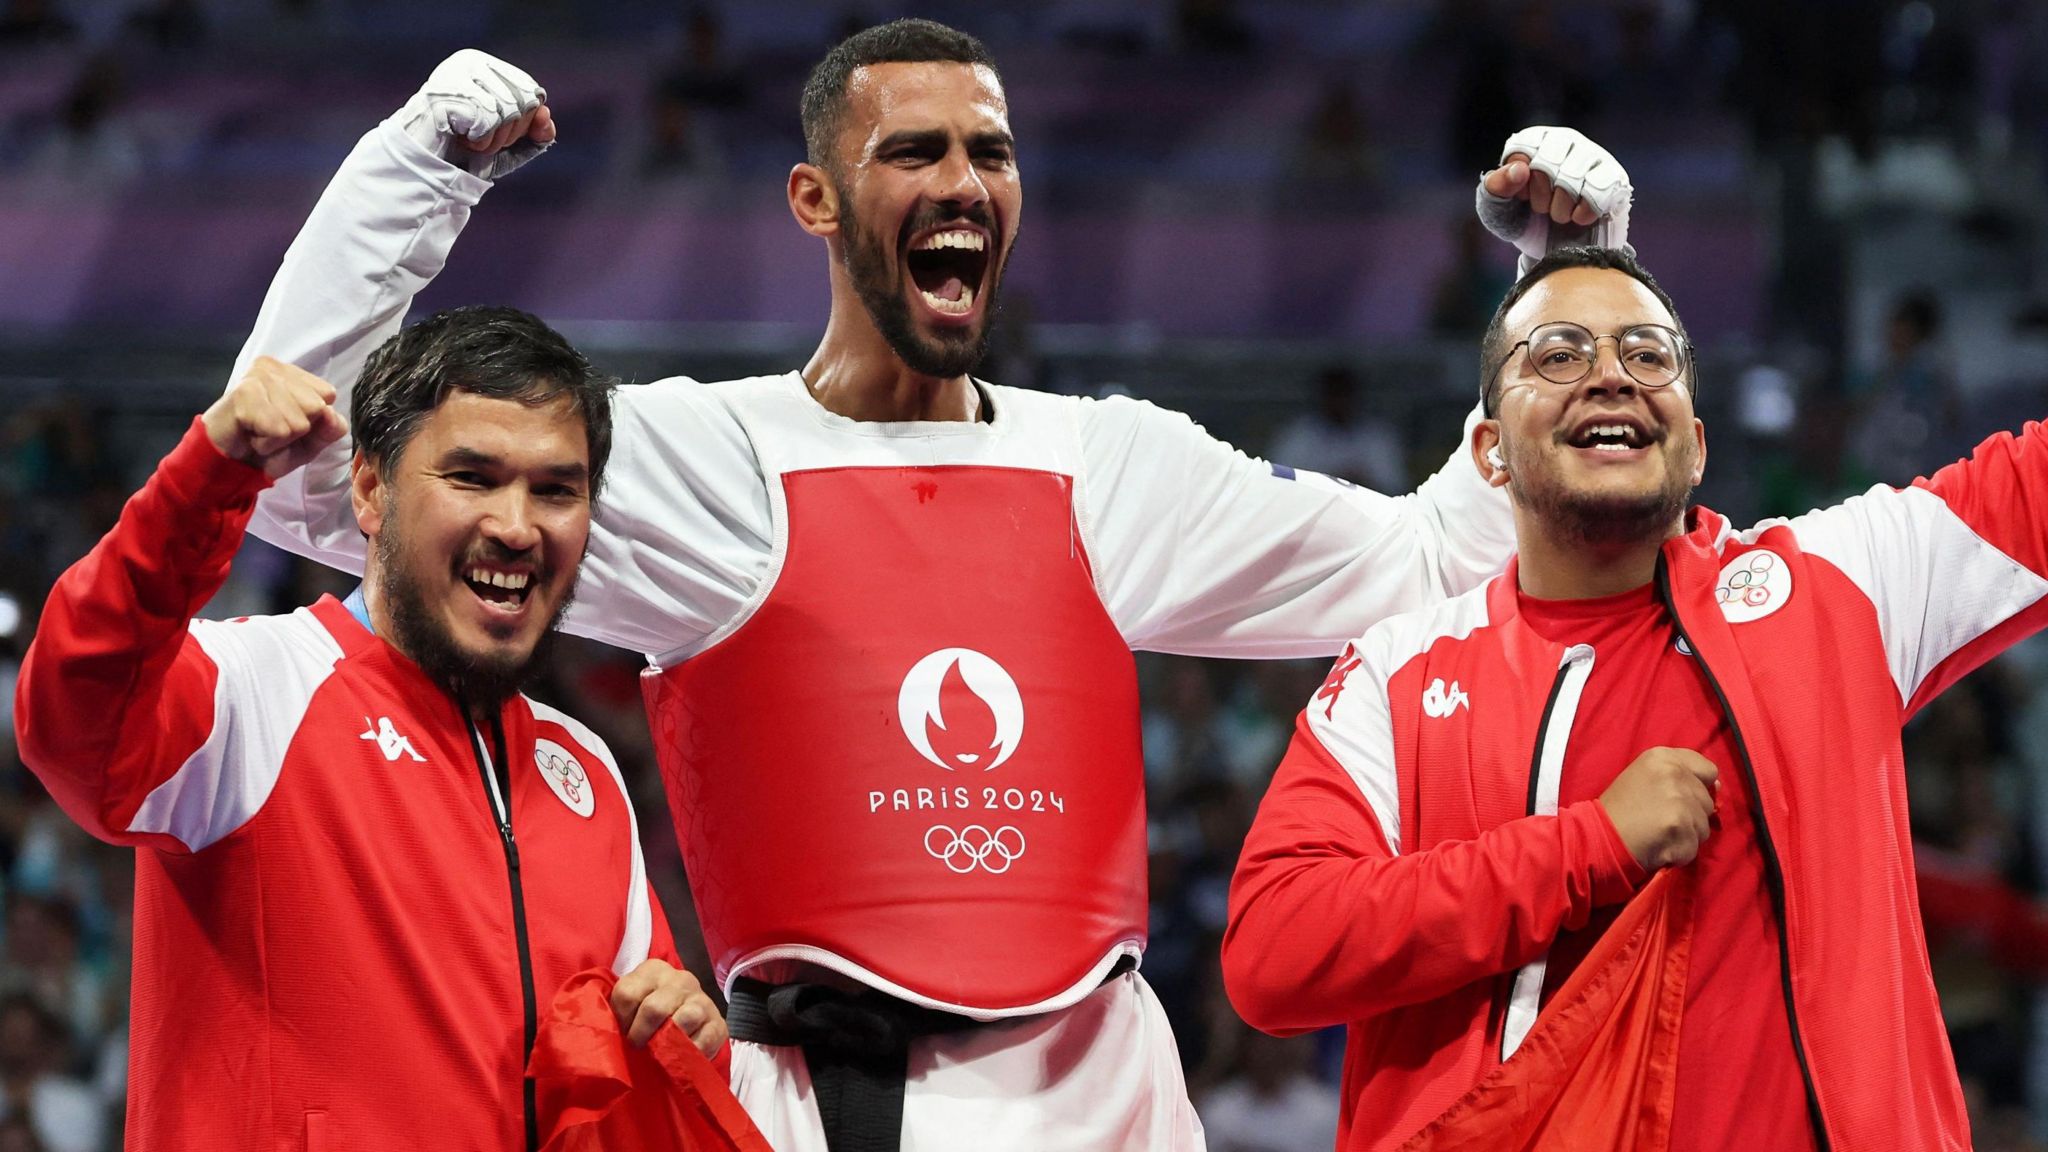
(935, 139)
(932, 138)
(460, 457)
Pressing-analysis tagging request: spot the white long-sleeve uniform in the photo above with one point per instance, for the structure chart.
(1194, 548)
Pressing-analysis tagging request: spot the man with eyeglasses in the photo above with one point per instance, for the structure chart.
(1479, 789)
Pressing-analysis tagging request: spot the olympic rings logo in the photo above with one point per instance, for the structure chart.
(564, 769)
(974, 847)
(1749, 584)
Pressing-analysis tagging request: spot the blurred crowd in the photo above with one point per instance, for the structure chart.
(1849, 377)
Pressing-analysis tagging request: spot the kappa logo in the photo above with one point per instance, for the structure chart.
(1753, 585)
(565, 776)
(1439, 702)
(388, 740)
(960, 709)
(1333, 684)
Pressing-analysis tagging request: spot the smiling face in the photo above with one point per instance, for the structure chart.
(478, 528)
(1604, 459)
(926, 178)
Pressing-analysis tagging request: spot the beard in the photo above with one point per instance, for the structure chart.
(879, 284)
(1601, 518)
(478, 681)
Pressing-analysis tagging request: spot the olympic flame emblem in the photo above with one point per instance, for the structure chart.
(960, 709)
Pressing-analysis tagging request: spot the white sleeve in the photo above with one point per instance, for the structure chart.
(1956, 566)
(379, 234)
(683, 532)
(1201, 549)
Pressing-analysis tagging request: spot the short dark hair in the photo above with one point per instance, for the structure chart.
(897, 42)
(501, 353)
(1493, 347)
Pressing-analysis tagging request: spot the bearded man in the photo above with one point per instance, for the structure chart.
(890, 607)
(363, 859)
(1479, 788)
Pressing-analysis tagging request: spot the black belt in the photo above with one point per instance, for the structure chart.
(856, 1045)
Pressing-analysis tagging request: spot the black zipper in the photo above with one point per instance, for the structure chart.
(1535, 779)
(504, 821)
(1774, 873)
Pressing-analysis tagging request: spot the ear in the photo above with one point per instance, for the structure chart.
(1486, 453)
(366, 494)
(813, 200)
(1699, 463)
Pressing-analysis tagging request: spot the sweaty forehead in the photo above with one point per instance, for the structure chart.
(1602, 299)
(899, 96)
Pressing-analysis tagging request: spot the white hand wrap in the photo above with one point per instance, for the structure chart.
(1577, 165)
(469, 96)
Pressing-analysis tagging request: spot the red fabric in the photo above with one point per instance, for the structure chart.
(1734, 995)
(1326, 928)
(117, 619)
(885, 776)
(335, 965)
(597, 1093)
(1599, 1071)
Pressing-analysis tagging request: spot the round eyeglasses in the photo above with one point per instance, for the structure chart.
(1563, 353)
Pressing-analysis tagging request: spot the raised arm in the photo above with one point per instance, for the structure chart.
(379, 235)
(1204, 550)
(1956, 565)
(124, 713)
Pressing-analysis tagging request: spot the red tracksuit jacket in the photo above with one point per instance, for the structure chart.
(338, 945)
(1395, 881)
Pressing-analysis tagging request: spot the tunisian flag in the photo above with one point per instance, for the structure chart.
(1598, 1072)
(596, 1093)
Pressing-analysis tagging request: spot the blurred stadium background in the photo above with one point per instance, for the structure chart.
(1259, 213)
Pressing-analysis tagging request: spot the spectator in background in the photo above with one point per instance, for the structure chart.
(44, 958)
(64, 1111)
(1906, 409)
(88, 142)
(1335, 165)
(1469, 290)
(1272, 1104)
(1337, 439)
(678, 143)
(701, 75)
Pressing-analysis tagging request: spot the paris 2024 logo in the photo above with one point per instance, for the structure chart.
(962, 712)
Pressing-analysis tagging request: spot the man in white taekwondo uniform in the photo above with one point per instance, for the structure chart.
(890, 608)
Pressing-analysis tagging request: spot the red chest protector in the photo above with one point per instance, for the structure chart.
(917, 761)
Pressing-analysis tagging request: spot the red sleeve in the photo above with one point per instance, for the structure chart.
(114, 694)
(2001, 492)
(1327, 926)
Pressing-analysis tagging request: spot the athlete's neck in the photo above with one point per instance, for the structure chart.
(855, 374)
(1551, 566)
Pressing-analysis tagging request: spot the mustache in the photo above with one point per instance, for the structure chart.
(933, 215)
(489, 552)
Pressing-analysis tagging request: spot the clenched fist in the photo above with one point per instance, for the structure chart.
(1555, 186)
(1661, 803)
(657, 992)
(477, 111)
(276, 418)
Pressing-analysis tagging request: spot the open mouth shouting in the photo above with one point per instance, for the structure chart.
(1612, 434)
(503, 592)
(949, 267)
